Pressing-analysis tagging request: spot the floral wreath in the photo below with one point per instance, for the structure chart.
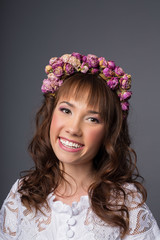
(116, 79)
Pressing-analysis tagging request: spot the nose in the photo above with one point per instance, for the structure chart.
(74, 127)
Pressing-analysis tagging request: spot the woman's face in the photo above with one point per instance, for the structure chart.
(76, 131)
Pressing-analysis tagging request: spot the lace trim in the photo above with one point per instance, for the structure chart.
(16, 216)
(28, 218)
(141, 219)
(9, 226)
(100, 229)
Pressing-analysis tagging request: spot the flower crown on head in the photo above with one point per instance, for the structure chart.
(116, 79)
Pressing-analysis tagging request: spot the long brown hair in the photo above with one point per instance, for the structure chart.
(115, 162)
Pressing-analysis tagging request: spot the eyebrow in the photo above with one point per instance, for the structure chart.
(71, 105)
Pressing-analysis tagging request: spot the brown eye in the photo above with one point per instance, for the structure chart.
(65, 110)
(94, 120)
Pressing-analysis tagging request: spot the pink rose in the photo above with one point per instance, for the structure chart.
(111, 65)
(68, 68)
(124, 95)
(84, 59)
(52, 77)
(52, 60)
(57, 63)
(92, 61)
(47, 86)
(75, 62)
(58, 72)
(107, 72)
(77, 55)
(113, 82)
(84, 68)
(125, 106)
(119, 71)
(65, 57)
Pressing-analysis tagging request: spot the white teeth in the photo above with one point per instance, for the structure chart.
(70, 144)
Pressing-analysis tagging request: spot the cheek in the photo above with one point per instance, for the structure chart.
(54, 121)
(55, 124)
(95, 137)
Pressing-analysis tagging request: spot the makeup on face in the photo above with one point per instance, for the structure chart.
(76, 131)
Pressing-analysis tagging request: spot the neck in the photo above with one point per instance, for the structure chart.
(78, 178)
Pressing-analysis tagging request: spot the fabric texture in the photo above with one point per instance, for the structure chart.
(76, 222)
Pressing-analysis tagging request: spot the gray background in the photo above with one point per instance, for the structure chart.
(34, 31)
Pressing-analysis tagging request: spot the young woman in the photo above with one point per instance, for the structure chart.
(85, 181)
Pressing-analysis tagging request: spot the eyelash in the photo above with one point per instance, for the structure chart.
(67, 111)
(95, 120)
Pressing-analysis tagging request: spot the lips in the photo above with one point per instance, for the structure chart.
(69, 145)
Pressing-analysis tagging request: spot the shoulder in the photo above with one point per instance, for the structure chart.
(18, 222)
(13, 193)
(9, 213)
(142, 224)
(133, 197)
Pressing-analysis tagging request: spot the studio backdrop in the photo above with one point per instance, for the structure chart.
(34, 31)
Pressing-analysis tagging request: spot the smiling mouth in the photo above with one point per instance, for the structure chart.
(70, 144)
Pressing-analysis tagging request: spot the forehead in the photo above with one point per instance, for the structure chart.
(79, 102)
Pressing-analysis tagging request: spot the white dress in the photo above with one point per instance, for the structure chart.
(76, 222)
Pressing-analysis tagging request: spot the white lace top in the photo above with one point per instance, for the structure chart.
(76, 222)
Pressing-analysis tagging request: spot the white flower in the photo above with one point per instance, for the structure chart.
(65, 57)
